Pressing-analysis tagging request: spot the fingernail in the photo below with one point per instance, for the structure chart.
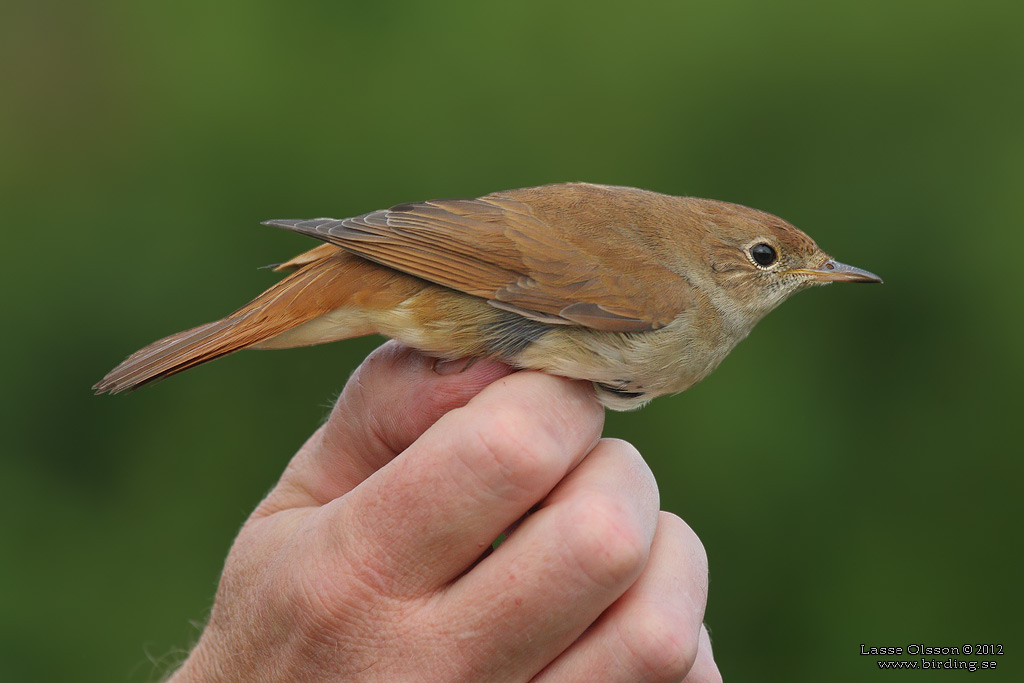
(450, 367)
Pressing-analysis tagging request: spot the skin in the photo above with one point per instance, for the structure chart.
(370, 560)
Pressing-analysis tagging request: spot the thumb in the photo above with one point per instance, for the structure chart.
(394, 396)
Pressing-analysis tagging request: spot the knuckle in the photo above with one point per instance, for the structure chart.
(526, 437)
(659, 646)
(607, 541)
(631, 458)
(634, 473)
(512, 453)
(305, 588)
(576, 408)
(564, 407)
(323, 600)
(308, 601)
(313, 584)
(681, 533)
(624, 448)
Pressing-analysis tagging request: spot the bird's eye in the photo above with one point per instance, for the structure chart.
(763, 254)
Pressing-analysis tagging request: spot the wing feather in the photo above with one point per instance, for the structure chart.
(541, 264)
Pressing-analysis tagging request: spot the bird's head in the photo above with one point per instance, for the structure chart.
(754, 260)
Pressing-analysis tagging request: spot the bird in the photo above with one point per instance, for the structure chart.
(641, 293)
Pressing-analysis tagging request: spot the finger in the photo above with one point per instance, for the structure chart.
(391, 398)
(704, 670)
(564, 565)
(437, 506)
(653, 632)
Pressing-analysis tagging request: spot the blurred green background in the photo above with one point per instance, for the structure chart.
(853, 468)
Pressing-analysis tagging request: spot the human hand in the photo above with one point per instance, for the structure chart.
(371, 559)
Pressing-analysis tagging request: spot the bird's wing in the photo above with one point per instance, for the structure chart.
(305, 258)
(496, 248)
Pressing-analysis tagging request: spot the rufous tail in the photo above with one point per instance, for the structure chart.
(319, 286)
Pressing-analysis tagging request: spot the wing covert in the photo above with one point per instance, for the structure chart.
(497, 248)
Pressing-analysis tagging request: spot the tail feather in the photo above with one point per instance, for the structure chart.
(314, 289)
(307, 257)
(170, 355)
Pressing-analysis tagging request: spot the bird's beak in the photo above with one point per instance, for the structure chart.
(834, 271)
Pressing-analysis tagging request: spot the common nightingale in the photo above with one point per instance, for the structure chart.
(641, 293)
